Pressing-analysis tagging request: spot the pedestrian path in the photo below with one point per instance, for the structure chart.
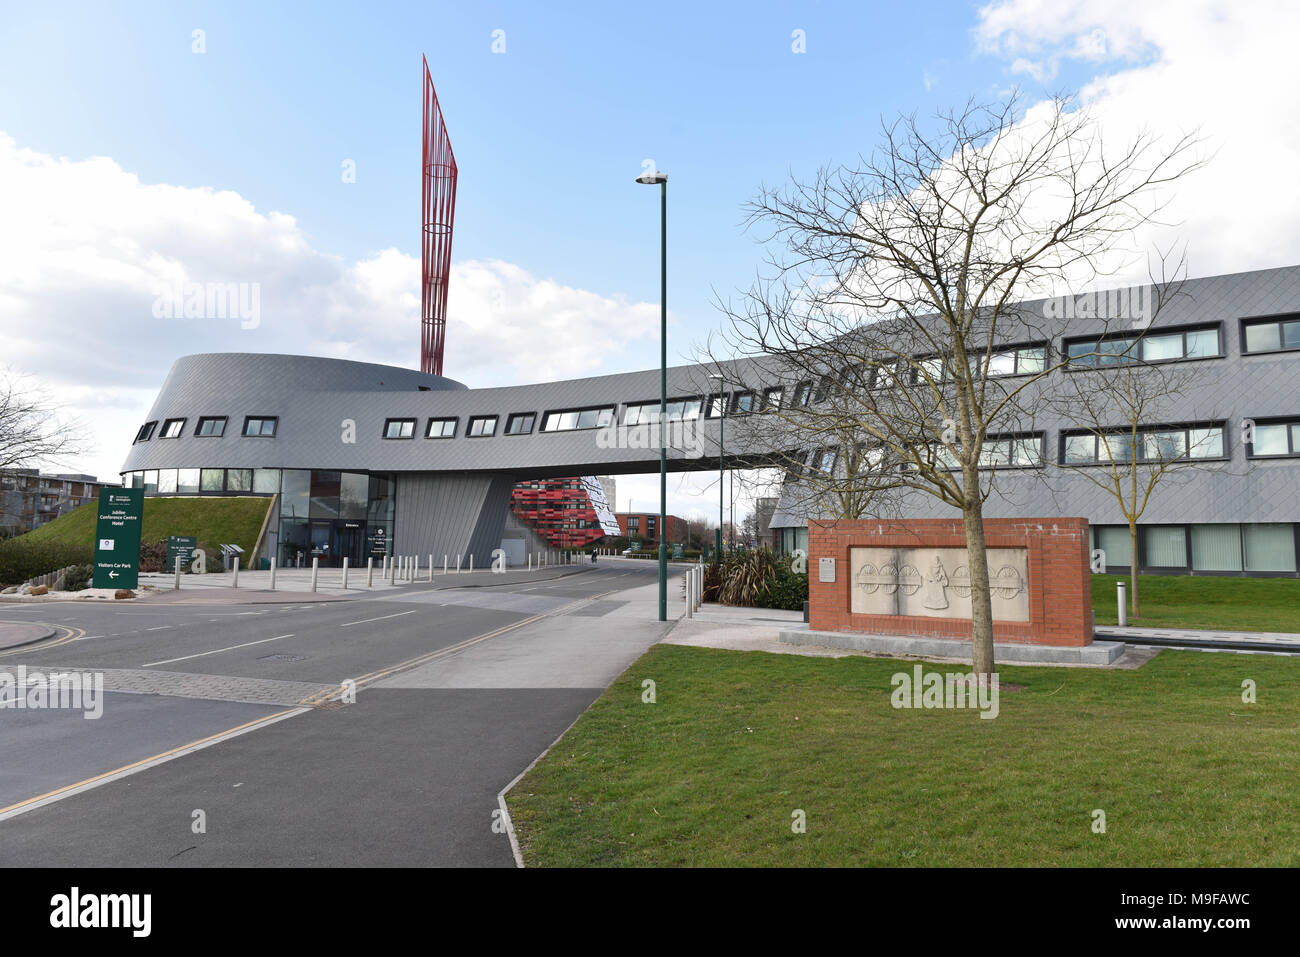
(1279, 642)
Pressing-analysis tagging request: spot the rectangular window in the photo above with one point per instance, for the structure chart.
(772, 398)
(1166, 546)
(441, 429)
(1269, 547)
(1216, 548)
(166, 481)
(742, 403)
(172, 429)
(146, 432)
(212, 426)
(717, 405)
(825, 461)
(1272, 335)
(641, 413)
(212, 480)
(634, 524)
(266, 481)
(239, 480)
(1275, 438)
(1152, 445)
(187, 481)
(260, 426)
(481, 426)
(1114, 542)
(569, 420)
(399, 428)
(520, 423)
(803, 393)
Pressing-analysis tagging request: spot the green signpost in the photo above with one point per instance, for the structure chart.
(679, 550)
(117, 537)
(182, 547)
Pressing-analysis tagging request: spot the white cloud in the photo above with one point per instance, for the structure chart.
(87, 247)
(1172, 66)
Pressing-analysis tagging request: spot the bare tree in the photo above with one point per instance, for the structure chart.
(1107, 415)
(895, 284)
(32, 432)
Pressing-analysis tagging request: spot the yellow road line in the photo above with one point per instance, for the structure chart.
(72, 635)
(143, 761)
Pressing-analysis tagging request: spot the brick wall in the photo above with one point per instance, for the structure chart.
(1060, 580)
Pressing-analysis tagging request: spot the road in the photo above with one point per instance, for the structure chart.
(226, 716)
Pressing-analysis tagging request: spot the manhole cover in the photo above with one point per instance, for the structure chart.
(282, 658)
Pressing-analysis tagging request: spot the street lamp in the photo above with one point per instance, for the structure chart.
(661, 179)
(722, 434)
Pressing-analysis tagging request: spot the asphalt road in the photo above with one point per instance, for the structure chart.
(221, 714)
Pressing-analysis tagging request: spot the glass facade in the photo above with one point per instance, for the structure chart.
(324, 514)
(1223, 549)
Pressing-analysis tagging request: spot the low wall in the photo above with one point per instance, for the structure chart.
(910, 578)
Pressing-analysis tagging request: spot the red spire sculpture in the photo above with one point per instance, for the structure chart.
(439, 207)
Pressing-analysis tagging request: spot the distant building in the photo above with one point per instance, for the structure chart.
(764, 509)
(645, 526)
(29, 499)
(566, 512)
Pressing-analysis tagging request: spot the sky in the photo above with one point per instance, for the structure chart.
(136, 152)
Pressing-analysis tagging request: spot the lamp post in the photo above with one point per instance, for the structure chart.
(722, 435)
(661, 179)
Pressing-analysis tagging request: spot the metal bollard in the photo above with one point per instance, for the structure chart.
(1123, 604)
(177, 586)
(458, 563)
(688, 587)
(273, 564)
(345, 572)
(315, 570)
(234, 582)
(471, 561)
(370, 572)
(430, 569)
(444, 564)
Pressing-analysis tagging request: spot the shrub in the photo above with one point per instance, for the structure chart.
(78, 577)
(755, 579)
(21, 561)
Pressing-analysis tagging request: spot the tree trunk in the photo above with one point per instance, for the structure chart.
(1133, 563)
(981, 603)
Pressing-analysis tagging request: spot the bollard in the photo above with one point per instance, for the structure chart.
(177, 586)
(315, 570)
(471, 561)
(273, 564)
(687, 587)
(430, 569)
(345, 572)
(234, 582)
(458, 563)
(1123, 604)
(444, 564)
(370, 572)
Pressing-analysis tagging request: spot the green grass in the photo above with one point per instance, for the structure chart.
(1199, 601)
(215, 521)
(710, 775)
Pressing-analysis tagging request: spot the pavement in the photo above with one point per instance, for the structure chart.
(236, 711)
(13, 634)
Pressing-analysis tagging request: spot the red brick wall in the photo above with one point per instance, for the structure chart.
(1060, 580)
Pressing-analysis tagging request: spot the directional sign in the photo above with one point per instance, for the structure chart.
(182, 547)
(679, 550)
(117, 537)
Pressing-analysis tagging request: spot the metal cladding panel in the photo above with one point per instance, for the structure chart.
(451, 515)
(328, 419)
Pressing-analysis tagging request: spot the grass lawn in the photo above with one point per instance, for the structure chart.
(710, 775)
(215, 521)
(1198, 601)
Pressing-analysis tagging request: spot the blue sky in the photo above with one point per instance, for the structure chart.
(548, 135)
(226, 165)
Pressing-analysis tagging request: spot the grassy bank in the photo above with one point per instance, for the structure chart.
(712, 772)
(1185, 601)
(215, 521)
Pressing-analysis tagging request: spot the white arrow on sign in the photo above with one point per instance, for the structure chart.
(112, 574)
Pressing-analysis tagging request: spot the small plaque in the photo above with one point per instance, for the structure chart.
(826, 569)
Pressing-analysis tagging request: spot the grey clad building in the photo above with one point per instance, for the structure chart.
(364, 459)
